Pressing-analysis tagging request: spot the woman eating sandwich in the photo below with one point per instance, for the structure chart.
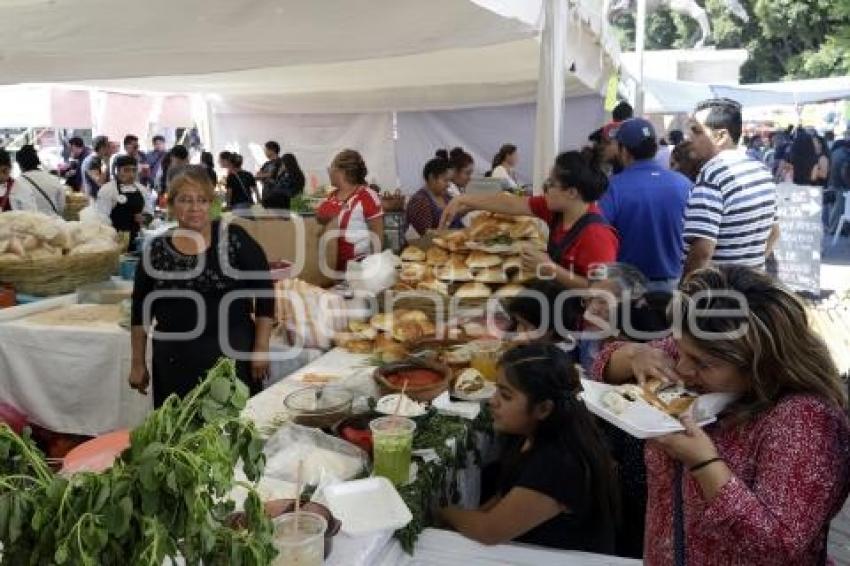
(579, 238)
(760, 485)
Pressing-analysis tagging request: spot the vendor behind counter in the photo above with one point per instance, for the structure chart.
(124, 200)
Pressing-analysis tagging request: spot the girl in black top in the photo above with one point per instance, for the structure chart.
(558, 482)
(241, 185)
(198, 268)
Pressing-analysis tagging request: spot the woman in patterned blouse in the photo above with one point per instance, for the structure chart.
(425, 207)
(759, 486)
(207, 286)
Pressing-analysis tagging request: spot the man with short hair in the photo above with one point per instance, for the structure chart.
(731, 217)
(73, 175)
(102, 150)
(271, 168)
(131, 148)
(154, 159)
(646, 203)
(622, 112)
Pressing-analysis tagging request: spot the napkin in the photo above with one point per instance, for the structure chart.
(464, 409)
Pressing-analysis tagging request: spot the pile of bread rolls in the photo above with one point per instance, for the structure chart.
(386, 334)
(474, 263)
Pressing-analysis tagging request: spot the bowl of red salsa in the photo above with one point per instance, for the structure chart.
(426, 379)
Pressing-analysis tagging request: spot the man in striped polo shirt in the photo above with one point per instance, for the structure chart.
(731, 213)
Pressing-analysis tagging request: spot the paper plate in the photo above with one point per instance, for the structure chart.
(642, 420)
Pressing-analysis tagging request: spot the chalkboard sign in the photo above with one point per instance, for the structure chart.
(798, 252)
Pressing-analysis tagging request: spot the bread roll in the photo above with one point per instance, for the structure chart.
(493, 275)
(407, 331)
(412, 253)
(437, 256)
(474, 290)
(509, 290)
(480, 259)
(382, 322)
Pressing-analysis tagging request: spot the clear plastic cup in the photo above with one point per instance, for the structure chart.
(392, 444)
(485, 359)
(300, 541)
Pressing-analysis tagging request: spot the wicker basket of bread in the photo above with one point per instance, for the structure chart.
(44, 255)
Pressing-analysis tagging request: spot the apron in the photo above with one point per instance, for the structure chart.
(123, 214)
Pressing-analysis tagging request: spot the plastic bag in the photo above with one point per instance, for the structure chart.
(92, 214)
(326, 459)
(374, 274)
(309, 315)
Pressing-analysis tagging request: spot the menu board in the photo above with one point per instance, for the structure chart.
(798, 252)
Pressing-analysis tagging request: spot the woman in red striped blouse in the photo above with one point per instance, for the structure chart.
(760, 486)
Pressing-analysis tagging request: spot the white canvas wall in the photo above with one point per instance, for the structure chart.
(313, 138)
(481, 131)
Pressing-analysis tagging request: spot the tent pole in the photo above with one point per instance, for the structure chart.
(640, 42)
(550, 89)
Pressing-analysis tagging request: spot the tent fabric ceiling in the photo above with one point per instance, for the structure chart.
(446, 76)
(455, 78)
(74, 40)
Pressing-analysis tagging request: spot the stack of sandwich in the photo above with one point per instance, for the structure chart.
(476, 262)
(386, 334)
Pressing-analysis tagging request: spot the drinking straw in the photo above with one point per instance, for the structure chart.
(298, 489)
(400, 399)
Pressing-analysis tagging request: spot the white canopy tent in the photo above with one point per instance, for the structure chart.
(266, 61)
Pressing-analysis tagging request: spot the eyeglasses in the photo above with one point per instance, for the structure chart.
(187, 201)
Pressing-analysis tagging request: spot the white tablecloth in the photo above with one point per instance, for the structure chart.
(68, 379)
(443, 548)
(73, 379)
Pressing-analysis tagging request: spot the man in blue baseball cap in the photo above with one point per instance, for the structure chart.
(646, 204)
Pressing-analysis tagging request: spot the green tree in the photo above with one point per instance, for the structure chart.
(786, 39)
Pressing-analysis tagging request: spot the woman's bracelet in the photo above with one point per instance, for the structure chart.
(705, 463)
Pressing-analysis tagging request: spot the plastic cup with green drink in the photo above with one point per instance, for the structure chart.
(392, 441)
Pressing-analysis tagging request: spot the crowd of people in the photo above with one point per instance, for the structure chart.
(126, 185)
(758, 487)
(678, 226)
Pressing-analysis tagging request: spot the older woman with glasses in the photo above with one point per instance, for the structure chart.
(207, 286)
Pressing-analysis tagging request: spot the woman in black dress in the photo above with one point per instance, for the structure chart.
(186, 279)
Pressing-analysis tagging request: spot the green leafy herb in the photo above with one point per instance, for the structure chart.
(451, 438)
(163, 497)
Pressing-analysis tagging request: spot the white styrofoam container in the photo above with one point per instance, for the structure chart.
(642, 420)
(368, 505)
